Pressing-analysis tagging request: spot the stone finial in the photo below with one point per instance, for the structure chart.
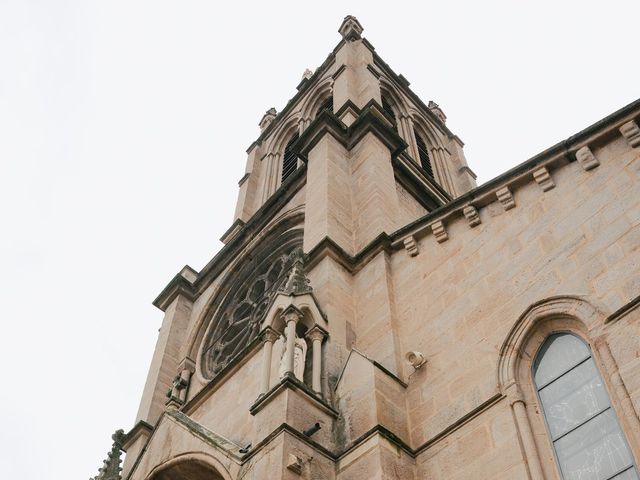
(506, 198)
(111, 468)
(351, 29)
(297, 283)
(472, 216)
(267, 118)
(631, 132)
(307, 74)
(543, 178)
(586, 158)
(439, 231)
(435, 108)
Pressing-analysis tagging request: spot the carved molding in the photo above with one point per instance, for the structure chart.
(543, 178)
(586, 158)
(411, 246)
(631, 132)
(439, 231)
(506, 198)
(471, 214)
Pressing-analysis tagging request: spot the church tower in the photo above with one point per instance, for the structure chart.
(374, 315)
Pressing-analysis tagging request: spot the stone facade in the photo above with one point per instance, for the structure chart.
(379, 259)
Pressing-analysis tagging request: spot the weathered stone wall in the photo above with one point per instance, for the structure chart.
(457, 300)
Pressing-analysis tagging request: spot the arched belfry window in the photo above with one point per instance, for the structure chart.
(584, 430)
(327, 104)
(388, 109)
(423, 153)
(289, 159)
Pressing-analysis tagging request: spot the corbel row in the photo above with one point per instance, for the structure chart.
(503, 194)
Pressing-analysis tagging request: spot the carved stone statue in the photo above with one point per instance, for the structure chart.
(299, 357)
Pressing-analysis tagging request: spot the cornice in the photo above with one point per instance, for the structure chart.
(179, 285)
(292, 383)
(139, 429)
(371, 119)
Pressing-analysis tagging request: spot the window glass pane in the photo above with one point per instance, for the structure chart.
(558, 354)
(573, 398)
(594, 451)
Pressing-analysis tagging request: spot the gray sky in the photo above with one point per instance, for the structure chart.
(123, 129)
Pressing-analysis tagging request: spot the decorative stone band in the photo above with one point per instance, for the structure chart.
(631, 132)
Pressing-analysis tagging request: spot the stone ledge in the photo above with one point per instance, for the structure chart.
(292, 383)
(141, 428)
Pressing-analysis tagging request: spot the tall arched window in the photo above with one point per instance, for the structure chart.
(289, 159)
(423, 152)
(388, 109)
(587, 439)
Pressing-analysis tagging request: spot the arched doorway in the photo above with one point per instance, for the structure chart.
(188, 470)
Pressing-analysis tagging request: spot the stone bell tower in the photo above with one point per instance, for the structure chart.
(360, 243)
(249, 367)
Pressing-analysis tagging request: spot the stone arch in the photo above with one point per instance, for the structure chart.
(577, 313)
(566, 313)
(311, 314)
(190, 466)
(319, 94)
(427, 130)
(388, 89)
(284, 231)
(283, 134)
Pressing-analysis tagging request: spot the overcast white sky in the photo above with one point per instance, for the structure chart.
(123, 129)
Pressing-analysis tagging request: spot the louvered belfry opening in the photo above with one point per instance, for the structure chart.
(423, 153)
(388, 109)
(326, 105)
(289, 159)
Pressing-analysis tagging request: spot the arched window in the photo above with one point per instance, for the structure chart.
(326, 105)
(587, 439)
(289, 159)
(388, 109)
(423, 153)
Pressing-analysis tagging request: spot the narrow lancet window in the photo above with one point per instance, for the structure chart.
(423, 153)
(289, 159)
(388, 109)
(584, 430)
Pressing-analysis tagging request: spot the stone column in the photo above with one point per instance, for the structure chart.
(316, 336)
(269, 336)
(516, 400)
(290, 318)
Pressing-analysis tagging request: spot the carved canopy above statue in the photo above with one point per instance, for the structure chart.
(249, 295)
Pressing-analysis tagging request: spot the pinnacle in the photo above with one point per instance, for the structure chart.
(351, 29)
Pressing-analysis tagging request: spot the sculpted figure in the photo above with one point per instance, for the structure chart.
(299, 357)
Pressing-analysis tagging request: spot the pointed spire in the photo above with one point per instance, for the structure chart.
(297, 283)
(111, 468)
(351, 29)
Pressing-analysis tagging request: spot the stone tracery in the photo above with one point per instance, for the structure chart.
(238, 321)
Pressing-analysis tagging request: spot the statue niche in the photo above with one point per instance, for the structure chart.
(299, 357)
